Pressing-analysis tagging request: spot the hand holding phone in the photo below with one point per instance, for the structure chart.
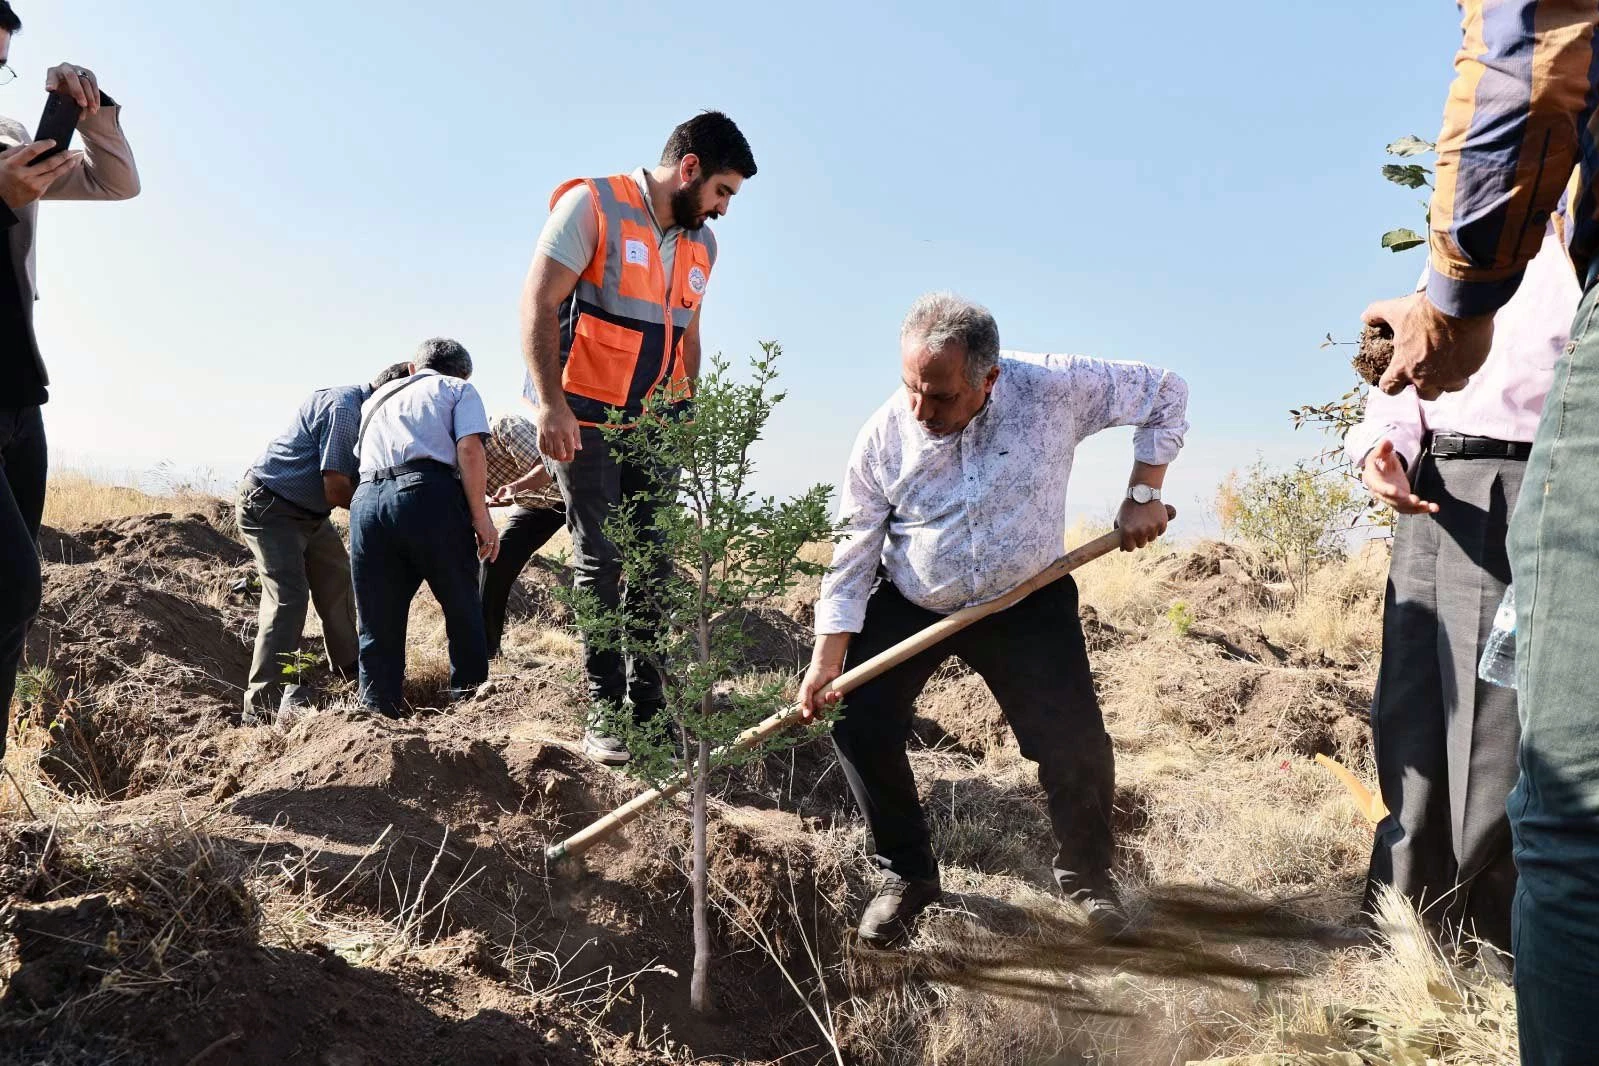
(23, 179)
(58, 122)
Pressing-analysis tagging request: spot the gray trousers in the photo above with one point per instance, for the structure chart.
(301, 561)
(1445, 742)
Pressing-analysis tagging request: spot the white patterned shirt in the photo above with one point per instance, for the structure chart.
(961, 519)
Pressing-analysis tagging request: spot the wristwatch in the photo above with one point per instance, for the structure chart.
(1143, 493)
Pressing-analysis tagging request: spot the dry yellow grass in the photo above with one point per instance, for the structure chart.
(73, 500)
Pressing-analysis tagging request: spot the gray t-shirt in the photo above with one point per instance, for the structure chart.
(571, 236)
(421, 422)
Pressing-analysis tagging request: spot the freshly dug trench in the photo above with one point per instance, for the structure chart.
(1376, 352)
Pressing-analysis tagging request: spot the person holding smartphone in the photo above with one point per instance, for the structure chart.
(102, 170)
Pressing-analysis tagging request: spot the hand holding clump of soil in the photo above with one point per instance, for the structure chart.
(1375, 352)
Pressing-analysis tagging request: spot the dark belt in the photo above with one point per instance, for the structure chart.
(290, 505)
(415, 466)
(1460, 446)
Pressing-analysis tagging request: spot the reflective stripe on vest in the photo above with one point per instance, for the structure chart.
(622, 329)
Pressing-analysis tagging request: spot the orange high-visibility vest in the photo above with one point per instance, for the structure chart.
(622, 329)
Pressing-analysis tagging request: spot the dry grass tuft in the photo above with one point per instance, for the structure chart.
(1123, 587)
(74, 498)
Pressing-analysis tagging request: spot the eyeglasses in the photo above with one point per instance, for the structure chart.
(7, 73)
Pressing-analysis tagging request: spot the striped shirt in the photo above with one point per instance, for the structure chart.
(322, 439)
(1516, 147)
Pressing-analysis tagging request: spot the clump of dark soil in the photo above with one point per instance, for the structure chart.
(771, 641)
(56, 546)
(1375, 353)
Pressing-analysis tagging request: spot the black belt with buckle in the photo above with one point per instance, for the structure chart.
(415, 466)
(1460, 446)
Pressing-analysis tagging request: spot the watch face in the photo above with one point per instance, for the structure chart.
(1142, 494)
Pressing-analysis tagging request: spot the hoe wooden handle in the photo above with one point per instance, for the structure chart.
(581, 841)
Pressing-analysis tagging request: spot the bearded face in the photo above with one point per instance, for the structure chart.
(690, 208)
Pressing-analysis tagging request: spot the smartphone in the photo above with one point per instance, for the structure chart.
(60, 119)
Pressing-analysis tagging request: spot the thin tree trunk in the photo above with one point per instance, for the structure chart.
(699, 993)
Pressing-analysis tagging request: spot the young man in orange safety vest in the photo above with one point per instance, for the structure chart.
(610, 318)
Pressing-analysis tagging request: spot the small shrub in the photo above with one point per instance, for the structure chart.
(1181, 618)
(1297, 516)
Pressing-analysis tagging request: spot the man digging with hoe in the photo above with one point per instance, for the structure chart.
(955, 492)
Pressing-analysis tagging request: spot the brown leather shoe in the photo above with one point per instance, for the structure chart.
(889, 918)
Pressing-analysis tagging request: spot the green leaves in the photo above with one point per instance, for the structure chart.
(1410, 175)
(1411, 145)
(1399, 240)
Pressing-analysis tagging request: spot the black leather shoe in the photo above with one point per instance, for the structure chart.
(1102, 909)
(889, 918)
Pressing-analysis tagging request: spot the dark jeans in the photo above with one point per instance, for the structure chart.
(24, 461)
(525, 532)
(1033, 659)
(1554, 809)
(1444, 740)
(404, 531)
(593, 485)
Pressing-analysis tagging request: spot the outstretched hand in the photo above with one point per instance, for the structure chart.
(1384, 474)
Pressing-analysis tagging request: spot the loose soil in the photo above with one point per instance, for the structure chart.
(344, 890)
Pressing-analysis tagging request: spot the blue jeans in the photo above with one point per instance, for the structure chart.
(1554, 809)
(404, 531)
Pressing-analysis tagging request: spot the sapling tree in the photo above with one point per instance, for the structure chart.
(713, 548)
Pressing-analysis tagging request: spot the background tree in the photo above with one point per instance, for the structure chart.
(1297, 517)
(717, 549)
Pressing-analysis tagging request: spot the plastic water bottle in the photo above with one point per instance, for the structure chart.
(1498, 663)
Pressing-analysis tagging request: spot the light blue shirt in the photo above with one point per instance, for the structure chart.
(423, 421)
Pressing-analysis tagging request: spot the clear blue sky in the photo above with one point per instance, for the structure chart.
(326, 184)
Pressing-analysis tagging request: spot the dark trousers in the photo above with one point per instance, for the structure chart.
(594, 484)
(301, 561)
(404, 531)
(1445, 741)
(525, 532)
(1033, 659)
(1554, 809)
(24, 461)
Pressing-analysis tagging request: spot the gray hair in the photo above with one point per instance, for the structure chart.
(446, 356)
(940, 318)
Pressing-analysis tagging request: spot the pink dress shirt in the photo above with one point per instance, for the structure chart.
(1504, 399)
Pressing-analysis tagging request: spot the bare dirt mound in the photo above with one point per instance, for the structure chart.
(535, 595)
(166, 925)
(1306, 712)
(1217, 581)
(194, 537)
(956, 712)
(56, 546)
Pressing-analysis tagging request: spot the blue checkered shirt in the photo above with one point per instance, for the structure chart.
(322, 438)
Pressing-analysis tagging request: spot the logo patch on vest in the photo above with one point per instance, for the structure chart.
(696, 280)
(637, 252)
